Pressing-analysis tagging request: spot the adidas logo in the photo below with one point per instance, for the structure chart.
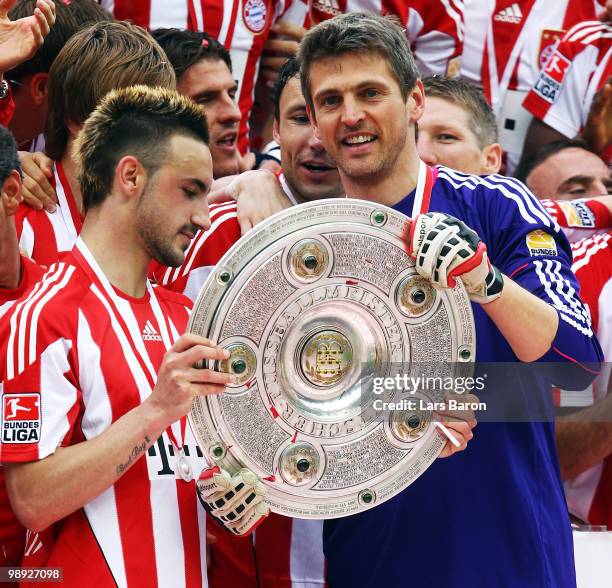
(149, 333)
(327, 7)
(511, 14)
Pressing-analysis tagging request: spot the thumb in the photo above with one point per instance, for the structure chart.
(45, 163)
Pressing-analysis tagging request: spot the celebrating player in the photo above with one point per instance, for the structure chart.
(364, 96)
(104, 373)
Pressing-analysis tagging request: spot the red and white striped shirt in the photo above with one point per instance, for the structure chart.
(588, 495)
(434, 27)
(44, 235)
(507, 42)
(241, 26)
(12, 534)
(77, 355)
(580, 66)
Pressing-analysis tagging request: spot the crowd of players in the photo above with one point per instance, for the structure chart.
(301, 103)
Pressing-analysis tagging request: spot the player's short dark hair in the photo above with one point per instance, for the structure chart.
(545, 152)
(70, 17)
(471, 99)
(289, 70)
(186, 48)
(96, 60)
(9, 160)
(138, 121)
(359, 32)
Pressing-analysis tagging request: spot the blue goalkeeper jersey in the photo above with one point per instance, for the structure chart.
(494, 515)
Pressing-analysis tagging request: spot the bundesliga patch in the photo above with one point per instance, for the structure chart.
(578, 214)
(21, 418)
(551, 77)
(255, 15)
(541, 243)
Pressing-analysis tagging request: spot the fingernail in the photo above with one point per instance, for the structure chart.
(51, 207)
(226, 353)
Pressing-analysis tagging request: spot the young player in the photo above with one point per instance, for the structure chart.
(99, 388)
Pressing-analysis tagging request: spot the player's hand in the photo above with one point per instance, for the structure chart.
(20, 39)
(237, 502)
(282, 44)
(459, 423)
(37, 171)
(445, 248)
(179, 382)
(258, 194)
(598, 128)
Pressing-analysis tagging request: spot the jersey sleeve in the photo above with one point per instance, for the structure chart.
(38, 374)
(530, 248)
(205, 250)
(31, 272)
(581, 218)
(564, 90)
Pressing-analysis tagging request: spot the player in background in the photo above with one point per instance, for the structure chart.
(203, 71)
(458, 128)
(19, 40)
(29, 80)
(103, 57)
(241, 26)
(565, 170)
(82, 454)
(358, 99)
(564, 93)
(507, 42)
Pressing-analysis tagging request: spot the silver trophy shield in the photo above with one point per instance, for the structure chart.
(316, 305)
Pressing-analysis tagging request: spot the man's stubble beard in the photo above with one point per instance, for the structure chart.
(150, 226)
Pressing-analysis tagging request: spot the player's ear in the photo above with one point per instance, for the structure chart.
(130, 176)
(416, 101)
(38, 88)
(492, 158)
(11, 193)
(276, 130)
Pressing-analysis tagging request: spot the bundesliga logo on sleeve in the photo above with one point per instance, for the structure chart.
(551, 77)
(541, 243)
(578, 214)
(21, 418)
